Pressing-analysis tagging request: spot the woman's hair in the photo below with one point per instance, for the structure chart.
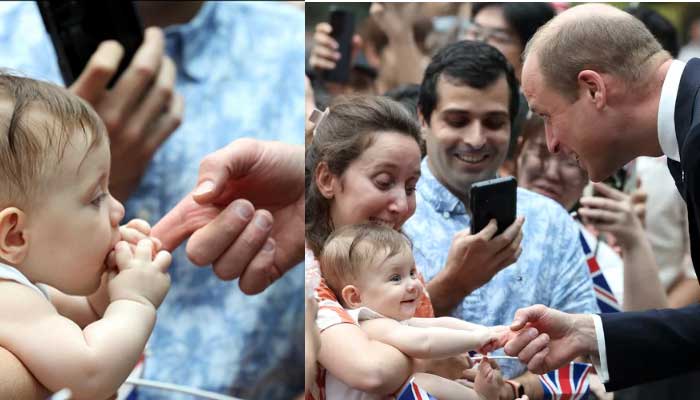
(349, 128)
(352, 248)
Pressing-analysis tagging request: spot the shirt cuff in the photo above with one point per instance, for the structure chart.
(600, 363)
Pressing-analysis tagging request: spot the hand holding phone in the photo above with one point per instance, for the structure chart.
(77, 27)
(343, 27)
(493, 199)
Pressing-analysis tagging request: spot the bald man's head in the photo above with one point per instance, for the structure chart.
(595, 37)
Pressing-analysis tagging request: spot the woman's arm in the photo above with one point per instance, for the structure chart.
(17, 382)
(364, 364)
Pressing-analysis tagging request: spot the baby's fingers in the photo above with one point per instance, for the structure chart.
(162, 261)
(140, 225)
(123, 255)
(131, 235)
(144, 250)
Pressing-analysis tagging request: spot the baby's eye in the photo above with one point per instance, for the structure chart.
(414, 273)
(97, 201)
(395, 278)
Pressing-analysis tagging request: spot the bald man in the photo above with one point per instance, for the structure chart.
(608, 93)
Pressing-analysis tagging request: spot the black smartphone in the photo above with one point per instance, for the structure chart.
(343, 25)
(77, 27)
(493, 199)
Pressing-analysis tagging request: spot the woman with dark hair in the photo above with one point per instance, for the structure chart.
(363, 165)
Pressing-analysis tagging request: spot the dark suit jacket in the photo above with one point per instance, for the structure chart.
(646, 346)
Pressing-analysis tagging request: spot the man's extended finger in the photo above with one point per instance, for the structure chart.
(527, 314)
(209, 242)
(261, 272)
(179, 223)
(103, 64)
(608, 191)
(230, 162)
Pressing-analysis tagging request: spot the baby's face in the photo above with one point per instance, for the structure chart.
(391, 287)
(75, 225)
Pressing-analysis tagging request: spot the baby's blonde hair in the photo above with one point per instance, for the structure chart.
(350, 249)
(37, 121)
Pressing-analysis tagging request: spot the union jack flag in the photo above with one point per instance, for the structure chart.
(566, 383)
(411, 391)
(604, 296)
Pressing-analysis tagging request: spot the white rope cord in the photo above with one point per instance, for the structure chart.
(65, 394)
(478, 358)
(178, 388)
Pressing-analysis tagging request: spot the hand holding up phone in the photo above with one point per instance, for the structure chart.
(140, 111)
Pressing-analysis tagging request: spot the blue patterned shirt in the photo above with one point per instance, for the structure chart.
(239, 67)
(551, 269)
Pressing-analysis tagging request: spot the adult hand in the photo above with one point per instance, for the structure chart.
(324, 50)
(396, 19)
(613, 212)
(548, 339)
(246, 214)
(473, 259)
(140, 111)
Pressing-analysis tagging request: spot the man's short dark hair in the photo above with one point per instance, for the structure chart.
(523, 18)
(469, 63)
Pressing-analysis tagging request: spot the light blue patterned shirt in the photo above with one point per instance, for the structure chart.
(551, 269)
(240, 69)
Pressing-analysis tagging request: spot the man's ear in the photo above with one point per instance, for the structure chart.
(351, 296)
(13, 236)
(325, 180)
(592, 87)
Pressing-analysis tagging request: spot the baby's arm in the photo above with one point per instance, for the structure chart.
(444, 322)
(95, 361)
(429, 342)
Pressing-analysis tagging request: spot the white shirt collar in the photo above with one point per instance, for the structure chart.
(666, 125)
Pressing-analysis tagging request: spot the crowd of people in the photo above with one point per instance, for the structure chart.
(488, 90)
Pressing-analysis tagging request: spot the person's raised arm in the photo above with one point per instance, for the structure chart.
(246, 216)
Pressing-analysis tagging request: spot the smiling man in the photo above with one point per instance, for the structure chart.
(608, 93)
(467, 103)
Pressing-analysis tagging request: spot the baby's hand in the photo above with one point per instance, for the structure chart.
(496, 337)
(134, 231)
(488, 380)
(141, 276)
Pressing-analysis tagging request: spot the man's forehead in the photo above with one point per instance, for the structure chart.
(450, 89)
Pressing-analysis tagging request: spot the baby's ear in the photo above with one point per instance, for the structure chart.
(13, 239)
(351, 296)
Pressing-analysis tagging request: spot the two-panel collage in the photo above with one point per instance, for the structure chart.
(340, 200)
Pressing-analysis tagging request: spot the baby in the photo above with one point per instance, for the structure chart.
(72, 322)
(372, 273)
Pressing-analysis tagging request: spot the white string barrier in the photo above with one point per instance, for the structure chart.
(65, 394)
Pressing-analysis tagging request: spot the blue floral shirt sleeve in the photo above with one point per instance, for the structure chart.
(551, 269)
(238, 67)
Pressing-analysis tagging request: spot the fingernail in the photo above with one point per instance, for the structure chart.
(244, 211)
(532, 333)
(263, 222)
(204, 188)
(268, 246)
